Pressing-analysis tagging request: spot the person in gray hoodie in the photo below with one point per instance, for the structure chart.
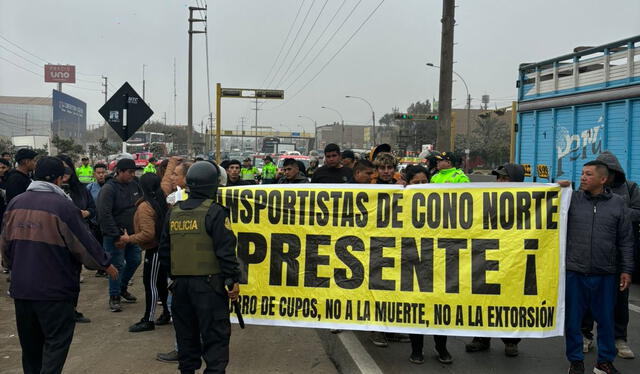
(629, 192)
(292, 173)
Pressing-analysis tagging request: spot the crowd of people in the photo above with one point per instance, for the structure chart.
(106, 220)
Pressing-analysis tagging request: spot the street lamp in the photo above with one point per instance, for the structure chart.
(315, 130)
(468, 111)
(373, 118)
(341, 120)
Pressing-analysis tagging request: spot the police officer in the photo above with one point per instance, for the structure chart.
(198, 247)
(85, 171)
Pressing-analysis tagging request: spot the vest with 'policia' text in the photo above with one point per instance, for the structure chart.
(191, 246)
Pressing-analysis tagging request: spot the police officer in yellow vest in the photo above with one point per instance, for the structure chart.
(198, 247)
(85, 171)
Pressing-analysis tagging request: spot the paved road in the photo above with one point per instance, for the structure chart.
(105, 346)
(536, 355)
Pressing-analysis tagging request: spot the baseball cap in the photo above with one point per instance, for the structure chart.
(126, 164)
(445, 156)
(247, 159)
(25, 154)
(49, 169)
(515, 172)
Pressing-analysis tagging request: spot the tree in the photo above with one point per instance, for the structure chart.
(6, 145)
(491, 141)
(419, 107)
(67, 147)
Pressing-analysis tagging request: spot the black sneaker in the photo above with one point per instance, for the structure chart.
(164, 319)
(511, 349)
(143, 325)
(478, 345)
(128, 298)
(444, 356)
(416, 358)
(378, 339)
(80, 318)
(114, 304)
(168, 357)
(577, 367)
(605, 368)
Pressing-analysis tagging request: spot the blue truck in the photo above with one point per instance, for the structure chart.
(573, 107)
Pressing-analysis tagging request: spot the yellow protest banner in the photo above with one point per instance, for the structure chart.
(481, 259)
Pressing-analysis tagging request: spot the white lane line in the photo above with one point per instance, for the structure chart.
(360, 356)
(635, 308)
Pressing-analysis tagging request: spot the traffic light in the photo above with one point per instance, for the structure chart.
(402, 116)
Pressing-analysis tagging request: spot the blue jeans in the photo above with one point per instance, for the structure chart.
(126, 260)
(596, 294)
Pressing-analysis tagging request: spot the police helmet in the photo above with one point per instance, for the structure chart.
(202, 178)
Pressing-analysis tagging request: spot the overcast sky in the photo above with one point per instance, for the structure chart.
(384, 62)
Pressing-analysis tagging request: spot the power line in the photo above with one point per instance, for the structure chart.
(326, 44)
(292, 43)
(336, 54)
(24, 50)
(319, 37)
(21, 67)
(284, 42)
(22, 57)
(303, 42)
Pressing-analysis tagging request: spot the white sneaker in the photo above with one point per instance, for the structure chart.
(587, 345)
(623, 349)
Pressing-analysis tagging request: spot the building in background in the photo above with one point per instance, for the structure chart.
(25, 116)
(355, 137)
(60, 114)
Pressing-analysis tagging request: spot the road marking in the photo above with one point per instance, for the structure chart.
(635, 308)
(360, 356)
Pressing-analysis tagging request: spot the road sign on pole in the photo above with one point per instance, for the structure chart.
(125, 111)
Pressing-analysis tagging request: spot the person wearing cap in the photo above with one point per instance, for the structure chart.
(447, 172)
(269, 171)
(19, 178)
(116, 208)
(348, 158)
(151, 166)
(248, 172)
(504, 173)
(199, 249)
(85, 171)
(332, 171)
(46, 258)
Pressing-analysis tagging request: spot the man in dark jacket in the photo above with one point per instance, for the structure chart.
(116, 207)
(45, 243)
(332, 171)
(599, 247)
(628, 190)
(292, 173)
(233, 174)
(18, 179)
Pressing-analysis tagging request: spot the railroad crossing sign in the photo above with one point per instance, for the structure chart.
(125, 111)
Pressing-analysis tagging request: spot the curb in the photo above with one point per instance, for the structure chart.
(347, 353)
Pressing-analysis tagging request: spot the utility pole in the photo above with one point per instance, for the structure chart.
(446, 75)
(175, 95)
(256, 130)
(104, 135)
(241, 134)
(190, 78)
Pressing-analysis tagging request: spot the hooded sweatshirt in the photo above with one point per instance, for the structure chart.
(628, 190)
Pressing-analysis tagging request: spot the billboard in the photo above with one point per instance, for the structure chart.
(60, 73)
(69, 116)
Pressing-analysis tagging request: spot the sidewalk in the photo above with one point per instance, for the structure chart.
(104, 346)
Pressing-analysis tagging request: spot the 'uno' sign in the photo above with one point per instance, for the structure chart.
(60, 73)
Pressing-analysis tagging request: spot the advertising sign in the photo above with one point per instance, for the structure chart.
(69, 115)
(60, 73)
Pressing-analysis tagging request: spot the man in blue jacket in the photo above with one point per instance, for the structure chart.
(599, 247)
(45, 243)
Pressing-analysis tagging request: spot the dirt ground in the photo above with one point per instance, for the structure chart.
(105, 345)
